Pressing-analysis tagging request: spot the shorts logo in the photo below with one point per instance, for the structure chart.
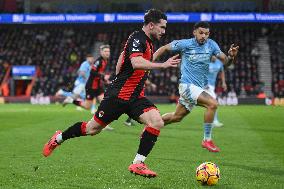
(101, 113)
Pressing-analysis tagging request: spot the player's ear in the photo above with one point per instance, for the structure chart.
(151, 25)
(194, 32)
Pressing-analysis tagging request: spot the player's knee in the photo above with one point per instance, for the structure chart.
(213, 105)
(158, 123)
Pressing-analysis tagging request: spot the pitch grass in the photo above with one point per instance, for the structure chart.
(251, 141)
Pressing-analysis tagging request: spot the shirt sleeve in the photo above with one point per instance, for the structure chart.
(83, 67)
(215, 48)
(136, 47)
(178, 45)
(96, 65)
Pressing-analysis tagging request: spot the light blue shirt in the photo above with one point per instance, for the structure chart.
(86, 68)
(214, 69)
(195, 59)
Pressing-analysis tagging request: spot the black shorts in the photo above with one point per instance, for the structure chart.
(93, 93)
(111, 109)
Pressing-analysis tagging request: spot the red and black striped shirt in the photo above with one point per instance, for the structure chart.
(97, 74)
(129, 84)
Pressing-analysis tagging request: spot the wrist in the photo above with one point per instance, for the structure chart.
(231, 57)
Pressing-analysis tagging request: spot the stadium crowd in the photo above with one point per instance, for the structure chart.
(58, 50)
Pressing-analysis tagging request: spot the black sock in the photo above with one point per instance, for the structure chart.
(147, 142)
(77, 102)
(128, 119)
(74, 131)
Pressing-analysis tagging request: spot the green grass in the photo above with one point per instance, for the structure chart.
(251, 142)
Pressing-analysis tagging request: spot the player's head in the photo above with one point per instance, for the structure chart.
(90, 58)
(105, 51)
(201, 31)
(155, 21)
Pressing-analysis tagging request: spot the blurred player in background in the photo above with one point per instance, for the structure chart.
(125, 94)
(80, 82)
(215, 67)
(94, 86)
(196, 55)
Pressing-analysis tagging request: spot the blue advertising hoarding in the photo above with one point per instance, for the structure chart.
(138, 17)
(20, 71)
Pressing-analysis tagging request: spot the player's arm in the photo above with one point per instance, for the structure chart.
(223, 79)
(137, 48)
(230, 59)
(149, 83)
(82, 73)
(162, 50)
(138, 62)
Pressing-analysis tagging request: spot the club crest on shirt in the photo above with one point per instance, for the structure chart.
(101, 113)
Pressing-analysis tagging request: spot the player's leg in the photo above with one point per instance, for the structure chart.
(153, 123)
(98, 96)
(184, 106)
(86, 104)
(207, 101)
(107, 112)
(176, 116)
(62, 92)
(77, 91)
(145, 112)
(76, 130)
(129, 122)
(211, 90)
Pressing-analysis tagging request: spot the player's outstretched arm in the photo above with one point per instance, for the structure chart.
(141, 63)
(230, 59)
(161, 51)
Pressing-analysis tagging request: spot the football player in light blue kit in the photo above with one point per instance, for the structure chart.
(196, 55)
(215, 67)
(80, 82)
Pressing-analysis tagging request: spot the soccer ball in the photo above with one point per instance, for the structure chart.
(208, 173)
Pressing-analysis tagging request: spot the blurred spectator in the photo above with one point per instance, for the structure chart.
(57, 51)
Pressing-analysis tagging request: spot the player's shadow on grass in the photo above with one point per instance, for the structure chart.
(270, 171)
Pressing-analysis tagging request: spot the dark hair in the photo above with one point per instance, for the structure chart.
(102, 47)
(201, 24)
(154, 15)
(89, 55)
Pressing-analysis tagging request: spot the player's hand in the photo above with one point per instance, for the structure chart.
(224, 86)
(233, 51)
(106, 78)
(172, 62)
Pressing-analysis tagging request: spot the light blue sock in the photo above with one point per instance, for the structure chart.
(66, 94)
(216, 117)
(207, 131)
